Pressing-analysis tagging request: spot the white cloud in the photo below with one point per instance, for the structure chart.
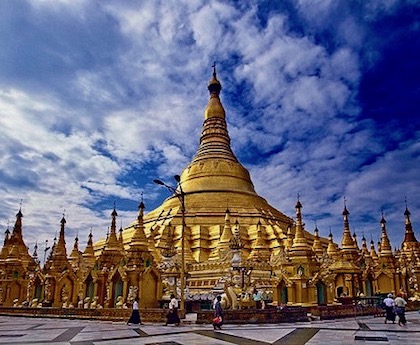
(138, 101)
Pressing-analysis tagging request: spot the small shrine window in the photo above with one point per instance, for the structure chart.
(300, 271)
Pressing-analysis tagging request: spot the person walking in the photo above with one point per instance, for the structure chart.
(400, 304)
(172, 317)
(389, 308)
(135, 314)
(218, 314)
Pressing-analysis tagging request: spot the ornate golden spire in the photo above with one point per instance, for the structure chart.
(317, 246)
(364, 250)
(409, 237)
(59, 259)
(5, 249)
(75, 252)
(225, 238)
(289, 240)
(355, 240)
(259, 250)
(214, 107)
(139, 239)
(120, 236)
(16, 236)
(299, 242)
(214, 166)
(227, 229)
(215, 140)
(89, 252)
(332, 247)
(373, 254)
(112, 242)
(386, 249)
(347, 243)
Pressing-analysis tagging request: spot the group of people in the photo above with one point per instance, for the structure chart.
(395, 307)
(172, 318)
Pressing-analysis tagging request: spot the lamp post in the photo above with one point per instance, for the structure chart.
(181, 197)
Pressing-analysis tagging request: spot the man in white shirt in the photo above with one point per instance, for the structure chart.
(389, 308)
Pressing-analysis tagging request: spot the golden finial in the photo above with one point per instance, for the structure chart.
(214, 85)
(214, 69)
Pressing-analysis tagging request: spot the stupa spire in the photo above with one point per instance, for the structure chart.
(386, 249)
(75, 252)
(409, 236)
(59, 261)
(215, 140)
(317, 246)
(89, 253)
(364, 250)
(5, 248)
(227, 229)
(299, 242)
(332, 248)
(259, 250)
(347, 243)
(355, 240)
(139, 240)
(112, 242)
(120, 236)
(373, 253)
(16, 236)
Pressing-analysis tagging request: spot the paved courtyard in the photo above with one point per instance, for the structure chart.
(363, 330)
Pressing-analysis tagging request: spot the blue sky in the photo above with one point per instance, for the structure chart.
(97, 98)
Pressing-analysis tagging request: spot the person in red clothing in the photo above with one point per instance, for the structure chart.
(218, 314)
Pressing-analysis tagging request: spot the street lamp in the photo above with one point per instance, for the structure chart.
(181, 197)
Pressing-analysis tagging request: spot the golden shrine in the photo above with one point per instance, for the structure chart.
(220, 236)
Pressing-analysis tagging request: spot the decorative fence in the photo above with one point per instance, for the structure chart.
(272, 315)
(148, 314)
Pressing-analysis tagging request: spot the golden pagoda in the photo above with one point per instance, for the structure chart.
(214, 235)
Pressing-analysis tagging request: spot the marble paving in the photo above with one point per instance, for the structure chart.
(361, 330)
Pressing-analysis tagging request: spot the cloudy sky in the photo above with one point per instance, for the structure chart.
(97, 98)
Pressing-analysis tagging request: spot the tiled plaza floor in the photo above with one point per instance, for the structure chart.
(364, 330)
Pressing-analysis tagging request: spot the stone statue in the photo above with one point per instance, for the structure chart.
(229, 298)
(34, 303)
(87, 303)
(80, 302)
(65, 302)
(95, 303)
(132, 293)
(120, 302)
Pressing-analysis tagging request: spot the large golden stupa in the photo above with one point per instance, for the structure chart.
(214, 235)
